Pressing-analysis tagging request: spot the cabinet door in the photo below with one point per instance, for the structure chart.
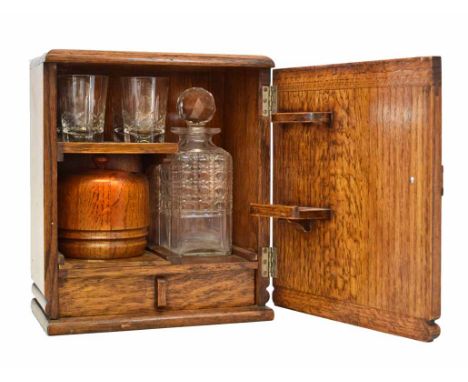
(377, 166)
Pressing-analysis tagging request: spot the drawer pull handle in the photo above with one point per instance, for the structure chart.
(161, 292)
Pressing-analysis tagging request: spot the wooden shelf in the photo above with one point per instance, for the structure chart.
(148, 258)
(238, 255)
(319, 118)
(151, 263)
(115, 148)
(302, 216)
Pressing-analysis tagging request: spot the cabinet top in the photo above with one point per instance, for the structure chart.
(156, 59)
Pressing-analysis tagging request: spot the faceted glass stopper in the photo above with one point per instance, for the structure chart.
(196, 106)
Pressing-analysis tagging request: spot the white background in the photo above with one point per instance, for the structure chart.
(293, 34)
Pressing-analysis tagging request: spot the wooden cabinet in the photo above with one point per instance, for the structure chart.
(357, 183)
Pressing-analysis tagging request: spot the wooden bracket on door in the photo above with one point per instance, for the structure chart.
(301, 216)
(318, 118)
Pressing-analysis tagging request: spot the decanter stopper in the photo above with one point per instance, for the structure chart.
(196, 106)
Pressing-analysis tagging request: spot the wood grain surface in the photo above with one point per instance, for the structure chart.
(324, 118)
(103, 213)
(212, 80)
(378, 168)
(148, 258)
(149, 282)
(150, 58)
(290, 212)
(246, 136)
(100, 296)
(150, 264)
(360, 315)
(116, 148)
(376, 164)
(161, 293)
(138, 294)
(165, 319)
(210, 290)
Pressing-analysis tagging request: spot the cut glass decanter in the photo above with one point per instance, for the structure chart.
(196, 184)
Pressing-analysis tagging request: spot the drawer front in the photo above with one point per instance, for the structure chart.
(210, 290)
(146, 294)
(106, 296)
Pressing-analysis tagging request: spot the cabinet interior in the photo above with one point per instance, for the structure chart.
(237, 95)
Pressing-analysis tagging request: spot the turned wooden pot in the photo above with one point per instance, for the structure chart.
(102, 214)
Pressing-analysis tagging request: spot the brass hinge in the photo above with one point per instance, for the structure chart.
(269, 100)
(269, 268)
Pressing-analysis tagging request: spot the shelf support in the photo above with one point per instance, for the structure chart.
(302, 217)
(317, 118)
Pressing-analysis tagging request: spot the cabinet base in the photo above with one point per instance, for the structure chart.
(90, 324)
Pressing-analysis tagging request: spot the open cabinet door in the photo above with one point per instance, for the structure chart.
(377, 166)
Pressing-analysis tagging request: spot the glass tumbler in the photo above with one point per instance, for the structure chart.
(144, 106)
(82, 105)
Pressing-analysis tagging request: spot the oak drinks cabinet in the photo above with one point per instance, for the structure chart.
(357, 185)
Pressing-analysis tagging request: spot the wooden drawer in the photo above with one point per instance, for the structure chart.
(106, 296)
(210, 290)
(147, 294)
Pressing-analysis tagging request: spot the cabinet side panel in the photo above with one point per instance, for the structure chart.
(246, 136)
(50, 190)
(241, 137)
(37, 175)
(44, 250)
